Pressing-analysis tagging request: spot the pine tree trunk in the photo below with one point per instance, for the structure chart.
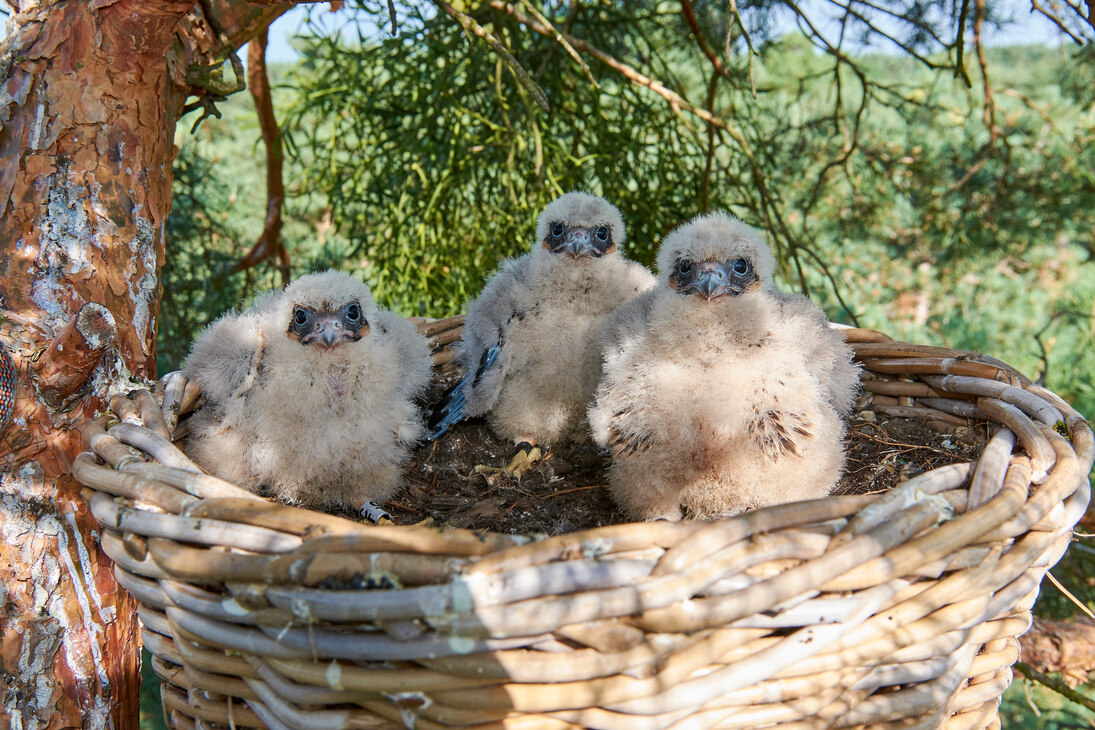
(89, 96)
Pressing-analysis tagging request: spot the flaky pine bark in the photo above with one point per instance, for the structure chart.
(89, 96)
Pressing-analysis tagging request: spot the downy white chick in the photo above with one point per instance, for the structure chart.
(310, 393)
(529, 344)
(721, 393)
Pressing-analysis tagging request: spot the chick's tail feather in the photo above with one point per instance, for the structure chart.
(452, 407)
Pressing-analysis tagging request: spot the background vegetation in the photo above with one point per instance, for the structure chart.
(422, 181)
(897, 196)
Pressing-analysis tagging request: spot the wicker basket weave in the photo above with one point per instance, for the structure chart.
(898, 610)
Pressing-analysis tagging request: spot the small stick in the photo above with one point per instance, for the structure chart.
(1055, 684)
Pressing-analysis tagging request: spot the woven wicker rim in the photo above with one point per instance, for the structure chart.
(899, 609)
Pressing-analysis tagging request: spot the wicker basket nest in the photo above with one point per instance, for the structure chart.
(899, 609)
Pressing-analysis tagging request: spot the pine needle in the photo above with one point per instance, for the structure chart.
(470, 26)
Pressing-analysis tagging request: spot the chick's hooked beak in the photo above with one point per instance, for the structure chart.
(328, 332)
(328, 329)
(713, 279)
(578, 242)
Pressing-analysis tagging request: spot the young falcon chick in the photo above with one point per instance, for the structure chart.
(528, 347)
(310, 392)
(721, 393)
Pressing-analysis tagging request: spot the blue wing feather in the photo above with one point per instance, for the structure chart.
(452, 408)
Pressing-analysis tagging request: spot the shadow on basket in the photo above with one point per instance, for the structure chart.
(899, 609)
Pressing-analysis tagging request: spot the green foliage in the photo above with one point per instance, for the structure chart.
(437, 173)
(1029, 706)
(201, 248)
(151, 711)
(877, 181)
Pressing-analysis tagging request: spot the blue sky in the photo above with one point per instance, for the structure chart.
(1029, 28)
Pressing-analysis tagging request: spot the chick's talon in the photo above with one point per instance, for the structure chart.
(525, 455)
(522, 461)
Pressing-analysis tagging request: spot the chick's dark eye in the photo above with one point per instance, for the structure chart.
(300, 316)
(557, 229)
(353, 312)
(602, 234)
(684, 266)
(740, 266)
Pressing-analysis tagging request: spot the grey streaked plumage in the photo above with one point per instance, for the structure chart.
(528, 339)
(310, 392)
(720, 393)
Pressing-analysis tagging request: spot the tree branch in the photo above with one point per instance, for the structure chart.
(470, 26)
(1054, 684)
(562, 42)
(769, 206)
(1053, 15)
(982, 61)
(748, 42)
(988, 115)
(269, 244)
(675, 100)
(960, 45)
(712, 138)
(694, 26)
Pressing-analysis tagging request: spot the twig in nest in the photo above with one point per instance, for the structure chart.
(470, 26)
(433, 452)
(905, 446)
(404, 505)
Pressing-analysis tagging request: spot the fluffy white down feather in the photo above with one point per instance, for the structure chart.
(318, 427)
(548, 310)
(726, 405)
